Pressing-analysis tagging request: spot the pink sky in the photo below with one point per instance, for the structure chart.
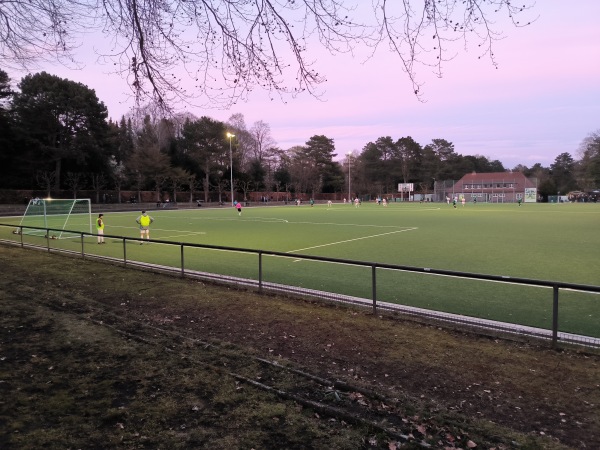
(543, 100)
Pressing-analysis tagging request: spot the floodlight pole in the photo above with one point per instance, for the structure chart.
(230, 136)
(349, 186)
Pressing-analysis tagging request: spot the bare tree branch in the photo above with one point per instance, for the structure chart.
(218, 51)
(34, 31)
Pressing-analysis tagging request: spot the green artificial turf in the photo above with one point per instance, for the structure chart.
(555, 242)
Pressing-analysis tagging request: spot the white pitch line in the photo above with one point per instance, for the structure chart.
(152, 230)
(352, 240)
(180, 235)
(237, 219)
(415, 208)
(345, 224)
(137, 227)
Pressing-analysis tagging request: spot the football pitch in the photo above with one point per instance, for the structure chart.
(554, 242)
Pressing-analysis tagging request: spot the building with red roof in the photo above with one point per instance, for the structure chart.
(495, 187)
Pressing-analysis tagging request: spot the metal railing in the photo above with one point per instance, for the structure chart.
(261, 284)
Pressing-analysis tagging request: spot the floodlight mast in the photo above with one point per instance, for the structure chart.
(231, 136)
(349, 185)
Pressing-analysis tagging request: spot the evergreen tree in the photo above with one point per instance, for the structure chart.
(64, 124)
(205, 146)
(10, 166)
(319, 153)
(562, 173)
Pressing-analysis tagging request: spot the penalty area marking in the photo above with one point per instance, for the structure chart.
(350, 240)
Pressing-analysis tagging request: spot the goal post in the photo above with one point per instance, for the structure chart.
(66, 217)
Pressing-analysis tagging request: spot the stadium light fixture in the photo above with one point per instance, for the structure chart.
(231, 136)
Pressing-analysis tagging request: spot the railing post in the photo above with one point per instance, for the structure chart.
(48, 239)
(260, 272)
(554, 315)
(374, 287)
(125, 251)
(182, 266)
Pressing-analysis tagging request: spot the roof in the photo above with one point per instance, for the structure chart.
(496, 177)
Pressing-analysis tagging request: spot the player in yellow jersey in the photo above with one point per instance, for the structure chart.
(144, 222)
(100, 228)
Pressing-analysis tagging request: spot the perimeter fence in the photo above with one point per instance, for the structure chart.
(272, 271)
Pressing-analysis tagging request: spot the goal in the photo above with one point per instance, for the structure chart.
(66, 218)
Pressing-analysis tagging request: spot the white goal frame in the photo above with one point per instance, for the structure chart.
(67, 217)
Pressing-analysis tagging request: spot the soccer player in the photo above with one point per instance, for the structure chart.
(238, 205)
(100, 228)
(144, 222)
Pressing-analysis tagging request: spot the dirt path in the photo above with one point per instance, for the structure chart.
(447, 388)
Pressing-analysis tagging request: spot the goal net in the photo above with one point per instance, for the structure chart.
(65, 217)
